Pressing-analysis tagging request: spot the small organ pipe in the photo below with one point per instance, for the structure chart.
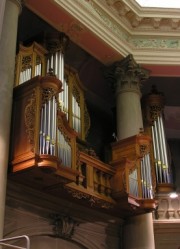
(41, 133)
(155, 155)
(158, 153)
(150, 175)
(161, 151)
(165, 150)
(147, 175)
(142, 179)
(44, 129)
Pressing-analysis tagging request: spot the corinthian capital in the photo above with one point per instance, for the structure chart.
(129, 74)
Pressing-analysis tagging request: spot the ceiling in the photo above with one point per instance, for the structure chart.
(92, 48)
(159, 3)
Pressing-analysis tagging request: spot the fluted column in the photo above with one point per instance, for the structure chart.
(129, 77)
(7, 55)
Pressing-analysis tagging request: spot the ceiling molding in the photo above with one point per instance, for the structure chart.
(112, 29)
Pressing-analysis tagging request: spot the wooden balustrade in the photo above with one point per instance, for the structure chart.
(94, 178)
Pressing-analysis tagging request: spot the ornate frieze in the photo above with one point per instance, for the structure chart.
(157, 43)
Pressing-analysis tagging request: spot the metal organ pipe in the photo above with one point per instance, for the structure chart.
(48, 127)
(154, 114)
(165, 149)
(58, 144)
(158, 151)
(133, 183)
(155, 155)
(146, 178)
(159, 142)
(161, 150)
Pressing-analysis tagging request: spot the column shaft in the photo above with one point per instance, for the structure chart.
(7, 55)
(138, 232)
(2, 8)
(129, 118)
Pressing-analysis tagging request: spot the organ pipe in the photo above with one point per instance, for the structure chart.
(55, 61)
(154, 123)
(146, 177)
(30, 62)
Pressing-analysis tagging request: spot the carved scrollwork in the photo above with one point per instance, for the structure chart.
(76, 94)
(26, 62)
(29, 117)
(63, 226)
(77, 194)
(47, 94)
(57, 41)
(144, 149)
(100, 203)
(154, 112)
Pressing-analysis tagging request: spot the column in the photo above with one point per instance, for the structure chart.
(138, 230)
(2, 8)
(129, 77)
(139, 233)
(7, 55)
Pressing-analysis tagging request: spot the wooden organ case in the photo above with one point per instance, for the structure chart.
(50, 118)
(38, 127)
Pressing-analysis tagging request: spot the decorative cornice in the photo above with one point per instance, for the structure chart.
(126, 28)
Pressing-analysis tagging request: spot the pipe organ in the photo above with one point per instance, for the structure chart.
(153, 105)
(36, 60)
(30, 62)
(133, 178)
(67, 106)
(41, 135)
(49, 118)
(71, 99)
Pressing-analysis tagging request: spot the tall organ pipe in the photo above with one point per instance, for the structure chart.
(55, 62)
(154, 104)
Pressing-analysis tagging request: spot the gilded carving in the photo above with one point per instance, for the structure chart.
(57, 41)
(29, 115)
(26, 62)
(154, 111)
(100, 203)
(47, 94)
(77, 194)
